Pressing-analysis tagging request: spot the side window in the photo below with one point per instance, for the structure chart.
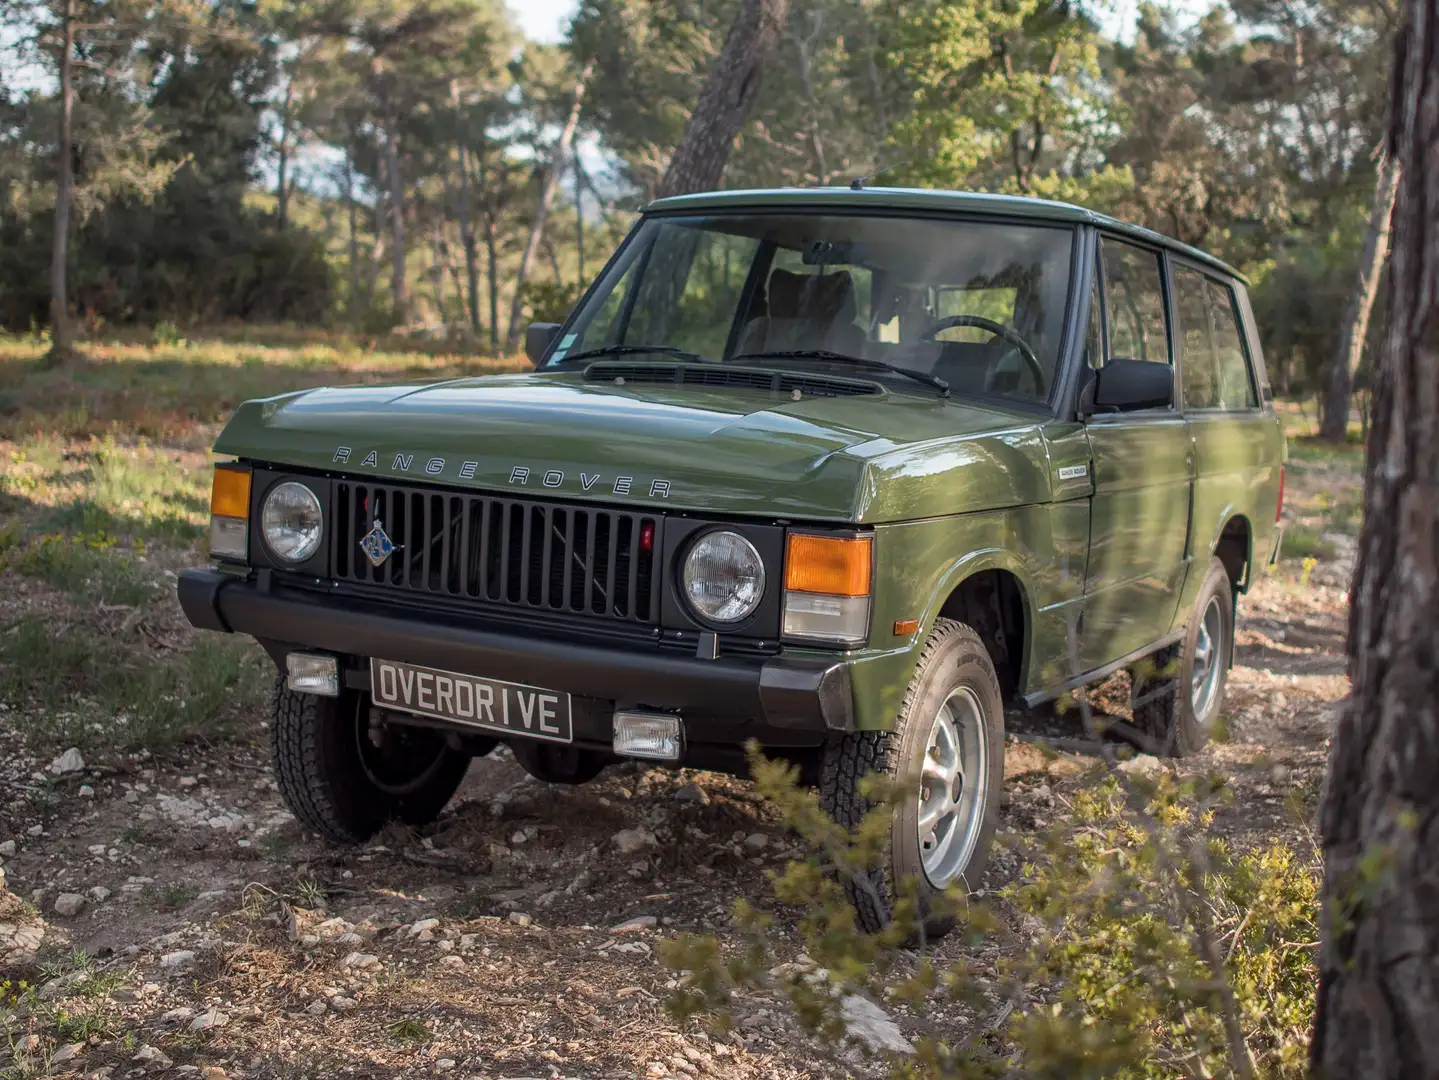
(1134, 290)
(1198, 369)
(1236, 382)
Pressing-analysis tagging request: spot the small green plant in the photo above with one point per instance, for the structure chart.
(310, 894)
(1303, 542)
(166, 333)
(80, 1024)
(410, 1030)
(174, 897)
(1162, 954)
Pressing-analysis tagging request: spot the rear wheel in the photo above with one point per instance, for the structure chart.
(945, 757)
(344, 773)
(556, 764)
(1178, 691)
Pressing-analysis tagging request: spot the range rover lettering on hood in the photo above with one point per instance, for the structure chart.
(520, 475)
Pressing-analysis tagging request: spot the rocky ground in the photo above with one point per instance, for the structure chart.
(177, 921)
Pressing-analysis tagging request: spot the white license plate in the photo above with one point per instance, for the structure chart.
(491, 704)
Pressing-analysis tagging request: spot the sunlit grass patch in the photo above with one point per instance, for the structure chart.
(87, 567)
(74, 685)
(165, 388)
(1306, 542)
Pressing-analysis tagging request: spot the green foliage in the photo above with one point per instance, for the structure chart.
(1162, 953)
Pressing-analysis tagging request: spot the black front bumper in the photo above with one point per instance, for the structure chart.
(784, 700)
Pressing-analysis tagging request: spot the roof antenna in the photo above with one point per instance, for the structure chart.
(857, 184)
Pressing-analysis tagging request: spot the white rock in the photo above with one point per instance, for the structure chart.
(340, 1003)
(8, 848)
(35, 830)
(630, 841)
(210, 1018)
(86, 791)
(183, 1015)
(149, 1055)
(444, 1064)
(69, 904)
(519, 918)
(418, 928)
(99, 894)
(177, 959)
(360, 960)
(639, 922)
(692, 793)
(71, 761)
(756, 841)
(317, 1007)
(349, 940)
(66, 1053)
(1142, 765)
(96, 849)
(871, 1025)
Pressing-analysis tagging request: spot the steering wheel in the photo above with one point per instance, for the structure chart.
(998, 329)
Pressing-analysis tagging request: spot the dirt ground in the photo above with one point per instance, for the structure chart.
(488, 945)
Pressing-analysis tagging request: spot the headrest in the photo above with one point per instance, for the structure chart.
(820, 297)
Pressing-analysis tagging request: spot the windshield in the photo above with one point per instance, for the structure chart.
(979, 305)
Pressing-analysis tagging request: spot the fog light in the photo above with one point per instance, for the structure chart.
(311, 674)
(229, 537)
(657, 736)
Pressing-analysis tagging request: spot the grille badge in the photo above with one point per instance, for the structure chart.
(377, 544)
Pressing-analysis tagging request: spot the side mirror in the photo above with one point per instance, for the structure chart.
(537, 339)
(1123, 385)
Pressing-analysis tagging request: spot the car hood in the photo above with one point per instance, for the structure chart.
(720, 450)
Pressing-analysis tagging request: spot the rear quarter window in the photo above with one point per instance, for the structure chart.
(1237, 380)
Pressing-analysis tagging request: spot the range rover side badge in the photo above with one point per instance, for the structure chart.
(377, 545)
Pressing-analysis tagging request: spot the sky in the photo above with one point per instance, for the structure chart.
(546, 20)
(543, 20)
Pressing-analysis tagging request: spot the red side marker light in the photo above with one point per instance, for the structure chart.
(647, 537)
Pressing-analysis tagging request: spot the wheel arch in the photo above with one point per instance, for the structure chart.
(1234, 547)
(987, 592)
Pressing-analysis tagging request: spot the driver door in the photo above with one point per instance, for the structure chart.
(1143, 476)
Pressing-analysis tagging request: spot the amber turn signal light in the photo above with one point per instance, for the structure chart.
(833, 565)
(230, 493)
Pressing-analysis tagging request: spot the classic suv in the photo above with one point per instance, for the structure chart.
(847, 472)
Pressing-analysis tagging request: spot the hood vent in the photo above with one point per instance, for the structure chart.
(778, 382)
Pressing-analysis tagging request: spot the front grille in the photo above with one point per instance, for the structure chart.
(577, 560)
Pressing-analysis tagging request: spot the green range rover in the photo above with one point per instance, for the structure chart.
(848, 472)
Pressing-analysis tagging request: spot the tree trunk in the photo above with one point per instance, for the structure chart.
(282, 193)
(62, 348)
(354, 231)
(1335, 425)
(547, 195)
(467, 235)
(1379, 824)
(492, 253)
(699, 160)
(580, 218)
(399, 290)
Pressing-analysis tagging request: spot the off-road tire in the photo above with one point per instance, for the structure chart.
(556, 764)
(1163, 710)
(324, 782)
(952, 656)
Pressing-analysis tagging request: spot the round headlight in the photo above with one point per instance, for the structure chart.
(723, 577)
(291, 522)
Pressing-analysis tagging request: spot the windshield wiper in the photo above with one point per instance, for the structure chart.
(844, 358)
(628, 350)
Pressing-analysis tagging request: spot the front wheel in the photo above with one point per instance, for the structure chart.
(344, 773)
(945, 762)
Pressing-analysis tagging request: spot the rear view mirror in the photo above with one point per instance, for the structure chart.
(537, 339)
(1124, 385)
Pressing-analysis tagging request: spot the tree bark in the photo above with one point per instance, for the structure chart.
(579, 218)
(399, 288)
(1335, 425)
(547, 194)
(282, 193)
(1379, 823)
(354, 244)
(62, 347)
(699, 160)
(467, 235)
(492, 251)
